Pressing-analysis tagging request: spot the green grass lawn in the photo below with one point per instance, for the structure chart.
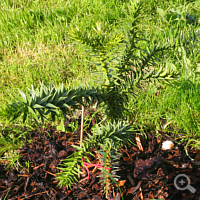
(61, 41)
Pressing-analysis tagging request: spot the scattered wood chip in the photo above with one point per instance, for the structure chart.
(139, 144)
(121, 183)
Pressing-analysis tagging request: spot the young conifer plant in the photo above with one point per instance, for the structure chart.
(133, 66)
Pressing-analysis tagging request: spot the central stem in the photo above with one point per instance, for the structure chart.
(82, 118)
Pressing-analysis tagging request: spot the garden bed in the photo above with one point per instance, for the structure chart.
(147, 174)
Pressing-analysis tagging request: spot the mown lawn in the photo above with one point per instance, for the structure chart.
(75, 43)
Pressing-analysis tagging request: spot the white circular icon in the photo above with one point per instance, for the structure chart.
(183, 183)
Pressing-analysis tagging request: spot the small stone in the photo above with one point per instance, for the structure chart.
(167, 145)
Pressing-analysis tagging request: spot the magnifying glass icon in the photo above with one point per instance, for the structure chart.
(182, 182)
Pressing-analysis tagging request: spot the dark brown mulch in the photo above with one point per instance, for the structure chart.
(147, 174)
